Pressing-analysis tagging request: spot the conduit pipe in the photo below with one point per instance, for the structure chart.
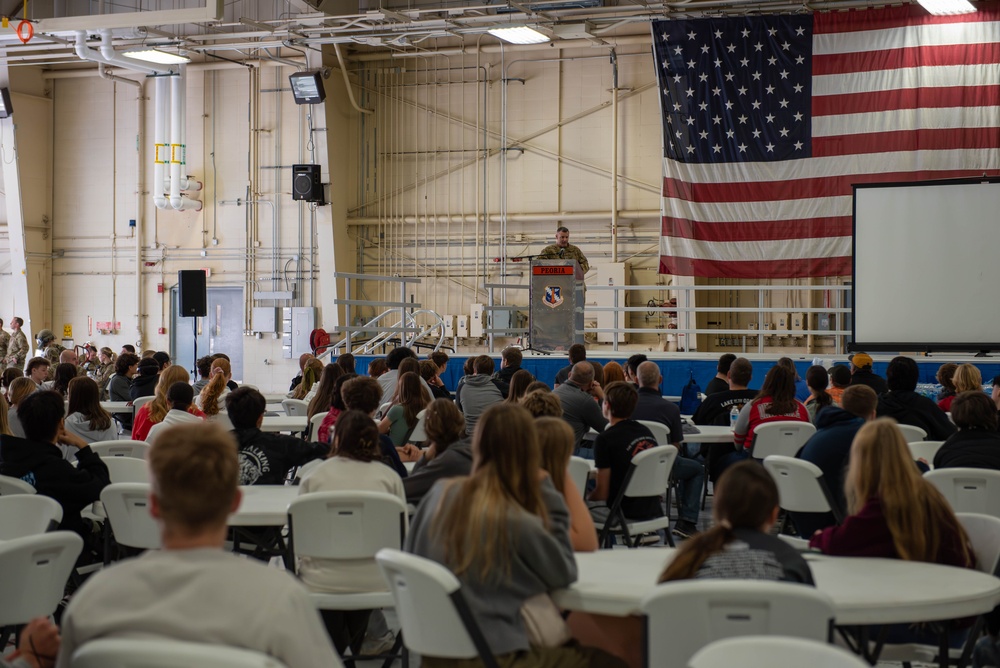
(111, 57)
(178, 146)
(161, 156)
(347, 81)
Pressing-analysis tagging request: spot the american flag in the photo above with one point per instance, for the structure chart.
(768, 121)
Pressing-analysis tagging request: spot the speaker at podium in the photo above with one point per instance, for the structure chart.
(556, 304)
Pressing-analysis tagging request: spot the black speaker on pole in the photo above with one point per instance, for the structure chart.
(307, 184)
(193, 293)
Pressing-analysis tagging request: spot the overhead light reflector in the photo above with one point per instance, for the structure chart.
(945, 7)
(156, 56)
(519, 35)
(307, 87)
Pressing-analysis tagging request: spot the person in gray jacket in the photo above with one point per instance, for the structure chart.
(478, 392)
(446, 456)
(504, 532)
(580, 408)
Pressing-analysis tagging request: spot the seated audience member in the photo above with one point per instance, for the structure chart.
(631, 365)
(579, 408)
(720, 382)
(401, 419)
(120, 385)
(448, 453)
(387, 381)
(598, 379)
(363, 394)
(440, 359)
(155, 410)
(128, 348)
(966, 378)
(467, 372)
(577, 353)
(542, 403)
(430, 373)
(38, 460)
(37, 647)
(346, 362)
(861, 373)
(536, 385)
(945, 375)
(510, 363)
(8, 376)
(147, 354)
(613, 373)
(377, 367)
(65, 372)
(336, 408)
(817, 378)
(105, 370)
(303, 358)
(739, 546)
(408, 365)
(69, 356)
(504, 532)
(4, 408)
(231, 384)
(830, 449)
(976, 444)
(840, 380)
(145, 379)
(555, 440)
(614, 449)
(689, 474)
(86, 418)
(519, 383)
(265, 458)
(204, 366)
(801, 388)
(162, 359)
(715, 409)
(310, 376)
(478, 392)
(895, 513)
(180, 398)
(324, 390)
(192, 590)
(37, 370)
(20, 390)
(902, 403)
(355, 464)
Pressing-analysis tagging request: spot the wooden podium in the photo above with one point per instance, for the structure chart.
(556, 304)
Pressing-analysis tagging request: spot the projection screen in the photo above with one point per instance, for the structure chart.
(922, 257)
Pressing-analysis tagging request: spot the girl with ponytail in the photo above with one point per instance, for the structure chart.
(210, 399)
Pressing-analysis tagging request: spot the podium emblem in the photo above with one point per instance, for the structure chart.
(553, 296)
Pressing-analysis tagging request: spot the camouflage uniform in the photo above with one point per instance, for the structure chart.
(102, 376)
(17, 350)
(570, 252)
(52, 352)
(4, 342)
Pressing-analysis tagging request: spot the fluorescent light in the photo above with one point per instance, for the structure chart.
(944, 7)
(518, 35)
(156, 56)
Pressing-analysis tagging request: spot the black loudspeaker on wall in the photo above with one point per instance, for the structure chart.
(193, 293)
(306, 183)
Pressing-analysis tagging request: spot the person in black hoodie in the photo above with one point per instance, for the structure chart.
(977, 443)
(146, 377)
(510, 363)
(37, 460)
(903, 404)
(449, 453)
(265, 458)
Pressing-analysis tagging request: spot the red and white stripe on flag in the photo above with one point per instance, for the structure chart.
(898, 96)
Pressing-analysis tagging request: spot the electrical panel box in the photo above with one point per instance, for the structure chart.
(606, 274)
(780, 322)
(477, 323)
(297, 323)
(462, 326)
(265, 319)
(286, 332)
(798, 322)
(824, 321)
(449, 325)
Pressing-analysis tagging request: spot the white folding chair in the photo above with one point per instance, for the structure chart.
(140, 402)
(648, 475)
(925, 450)
(134, 653)
(780, 438)
(912, 434)
(419, 434)
(127, 469)
(660, 431)
(28, 515)
(683, 617)
(969, 490)
(383, 409)
(434, 615)
(346, 526)
(295, 407)
(801, 487)
(314, 422)
(10, 486)
(127, 507)
(770, 651)
(35, 570)
(579, 472)
(123, 448)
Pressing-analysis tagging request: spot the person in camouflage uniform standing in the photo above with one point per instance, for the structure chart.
(17, 348)
(562, 249)
(4, 342)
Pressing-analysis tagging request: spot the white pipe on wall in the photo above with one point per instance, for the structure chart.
(161, 155)
(178, 145)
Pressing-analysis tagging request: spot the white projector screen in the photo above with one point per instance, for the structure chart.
(921, 252)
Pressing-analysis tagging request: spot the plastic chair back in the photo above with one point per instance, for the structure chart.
(801, 486)
(651, 471)
(314, 422)
(419, 434)
(295, 407)
(141, 401)
(434, 616)
(127, 507)
(925, 449)
(35, 570)
(132, 653)
(911, 433)
(28, 515)
(123, 448)
(579, 471)
(10, 486)
(780, 438)
(683, 617)
(770, 651)
(984, 534)
(345, 525)
(969, 490)
(127, 469)
(660, 431)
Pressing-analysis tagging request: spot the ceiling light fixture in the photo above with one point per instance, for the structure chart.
(519, 34)
(945, 7)
(156, 56)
